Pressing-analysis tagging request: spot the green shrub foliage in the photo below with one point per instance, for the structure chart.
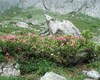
(31, 51)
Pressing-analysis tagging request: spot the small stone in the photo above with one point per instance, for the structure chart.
(92, 74)
(52, 76)
(22, 24)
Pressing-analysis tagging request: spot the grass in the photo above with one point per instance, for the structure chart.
(74, 73)
(83, 22)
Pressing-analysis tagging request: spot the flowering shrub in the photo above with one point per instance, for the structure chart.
(26, 49)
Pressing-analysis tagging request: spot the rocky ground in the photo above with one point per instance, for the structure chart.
(89, 7)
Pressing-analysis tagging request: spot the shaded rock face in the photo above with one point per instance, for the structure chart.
(90, 7)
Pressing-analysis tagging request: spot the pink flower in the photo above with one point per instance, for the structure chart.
(11, 37)
(72, 38)
(14, 40)
(50, 36)
(7, 54)
(2, 38)
(58, 38)
(24, 40)
(78, 37)
(45, 45)
(24, 34)
(67, 43)
(9, 59)
(73, 43)
(32, 35)
(61, 38)
(62, 44)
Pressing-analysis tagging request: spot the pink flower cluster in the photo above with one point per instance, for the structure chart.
(11, 37)
(73, 41)
(1, 37)
(8, 57)
(62, 38)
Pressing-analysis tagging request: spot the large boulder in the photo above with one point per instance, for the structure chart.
(66, 27)
(52, 76)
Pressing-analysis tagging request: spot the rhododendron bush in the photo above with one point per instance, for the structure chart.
(62, 50)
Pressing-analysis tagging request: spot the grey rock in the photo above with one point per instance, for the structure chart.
(22, 24)
(65, 27)
(52, 76)
(10, 69)
(89, 7)
(92, 74)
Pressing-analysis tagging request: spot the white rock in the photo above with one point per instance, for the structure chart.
(16, 72)
(22, 24)
(66, 26)
(10, 70)
(52, 76)
(88, 79)
(92, 74)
